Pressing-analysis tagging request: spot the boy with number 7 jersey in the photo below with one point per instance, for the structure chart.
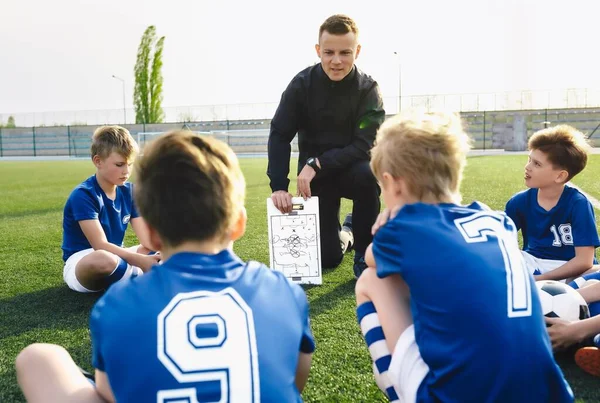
(447, 308)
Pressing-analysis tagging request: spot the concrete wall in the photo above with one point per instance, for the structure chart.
(496, 129)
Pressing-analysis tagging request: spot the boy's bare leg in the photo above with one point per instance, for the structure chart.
(92, 270)
(390, 296)
(383, 316)
(47, 373)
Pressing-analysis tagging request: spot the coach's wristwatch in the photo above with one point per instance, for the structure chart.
(312, 162)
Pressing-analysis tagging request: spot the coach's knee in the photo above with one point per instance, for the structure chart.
(101, 262)
(364, 285)
(331, 260)
(363, 174)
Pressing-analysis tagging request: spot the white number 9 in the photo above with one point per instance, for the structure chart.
(205, 336)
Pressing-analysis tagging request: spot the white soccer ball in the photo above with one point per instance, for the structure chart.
(559, 300)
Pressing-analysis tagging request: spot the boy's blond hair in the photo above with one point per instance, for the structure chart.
(566, 147)
(427, 149)
(189, 187)
(109, 139)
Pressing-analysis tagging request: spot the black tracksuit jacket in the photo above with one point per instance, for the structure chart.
(336, 122)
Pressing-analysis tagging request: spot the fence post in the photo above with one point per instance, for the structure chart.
(483, 130)
(1, 148)
(69, 138)
(34, 148)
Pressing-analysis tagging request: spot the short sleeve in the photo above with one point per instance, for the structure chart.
(387, 249)
(134, 210)
(512, 211)
(95, 330)
(307, 344)
(84, 205)
(583, 225)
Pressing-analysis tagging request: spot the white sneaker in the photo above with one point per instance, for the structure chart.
(346, 240)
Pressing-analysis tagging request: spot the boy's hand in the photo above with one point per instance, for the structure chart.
(145, 262)
(386, 215)
(562, 333)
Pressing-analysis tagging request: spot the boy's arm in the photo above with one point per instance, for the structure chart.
(369, 258)
(97, 238)
(511, 211)
(583, 261)
(103, 386)
(141, 231)
(303, 369)
(564, 333)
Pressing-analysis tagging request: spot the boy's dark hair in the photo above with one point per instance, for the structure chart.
(108, 139)
(189, 188)
(565, 147)
(338, 24)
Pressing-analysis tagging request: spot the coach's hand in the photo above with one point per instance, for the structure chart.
(282, 201)
(304, 178)
(563, 333)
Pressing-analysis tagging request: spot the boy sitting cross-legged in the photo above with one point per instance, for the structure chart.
(96, 216)
(447, 307)
(557, 221)
(203, 325)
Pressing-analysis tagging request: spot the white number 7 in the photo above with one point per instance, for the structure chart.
(490, 227)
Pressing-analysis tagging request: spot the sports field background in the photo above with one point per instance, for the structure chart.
(35, 305)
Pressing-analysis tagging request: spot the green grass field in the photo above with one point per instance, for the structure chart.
(35, 305)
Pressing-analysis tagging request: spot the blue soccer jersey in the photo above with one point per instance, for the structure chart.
(554, 234)
(477, 318)
(202, 328)
(89, 202)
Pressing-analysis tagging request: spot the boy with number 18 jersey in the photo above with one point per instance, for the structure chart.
(557, 221)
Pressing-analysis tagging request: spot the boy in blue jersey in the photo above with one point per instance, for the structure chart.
(203, 325)
(447, 308)
(557, 221)
(96, 216)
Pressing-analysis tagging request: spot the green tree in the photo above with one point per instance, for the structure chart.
(147, 94)
(10, 123)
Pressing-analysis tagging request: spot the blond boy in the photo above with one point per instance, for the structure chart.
(96, 216)
(447, 309)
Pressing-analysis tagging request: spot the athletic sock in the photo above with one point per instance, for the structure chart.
(380, 354)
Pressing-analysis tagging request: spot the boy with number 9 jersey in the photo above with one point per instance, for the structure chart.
(203, 325)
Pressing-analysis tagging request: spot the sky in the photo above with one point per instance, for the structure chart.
(59, 55)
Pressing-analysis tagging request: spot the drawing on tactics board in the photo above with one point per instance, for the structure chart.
(294, 245)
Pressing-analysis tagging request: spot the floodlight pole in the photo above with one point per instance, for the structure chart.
(399, 82)
(124, 109)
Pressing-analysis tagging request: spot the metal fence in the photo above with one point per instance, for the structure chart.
(251, 136)
(500, 101)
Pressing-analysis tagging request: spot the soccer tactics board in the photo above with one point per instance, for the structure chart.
(294, 245)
